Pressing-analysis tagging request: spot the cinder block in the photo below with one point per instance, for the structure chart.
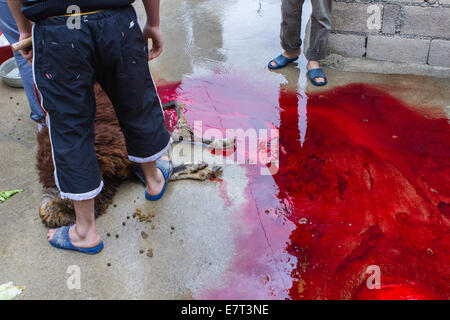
(391, 15)
(347, 45)
(398, 49)
(426, 21)
(411, 1)
(351, 16)
(439, 53)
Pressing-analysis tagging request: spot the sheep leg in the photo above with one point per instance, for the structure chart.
(190, 171)
(186, 134)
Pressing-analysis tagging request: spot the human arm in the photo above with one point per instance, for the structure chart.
(151, 28)
(23, 25)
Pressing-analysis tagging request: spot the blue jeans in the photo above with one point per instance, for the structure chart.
(9, 28)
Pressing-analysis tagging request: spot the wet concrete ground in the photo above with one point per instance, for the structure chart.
(231, 39)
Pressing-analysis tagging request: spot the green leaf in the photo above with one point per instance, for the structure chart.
(5, 195)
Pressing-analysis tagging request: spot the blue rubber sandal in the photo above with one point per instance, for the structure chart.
(61, 240)
(281, 62)
(166, 168)
(317, 73)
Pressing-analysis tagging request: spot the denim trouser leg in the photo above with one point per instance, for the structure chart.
(9, 29)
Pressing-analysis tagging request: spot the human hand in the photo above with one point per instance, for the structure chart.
(154, 33)
(28, 52)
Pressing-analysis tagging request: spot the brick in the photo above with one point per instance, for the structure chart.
(351, 16)
(398, 49)
(439, 53)
(391, 16)
(426, 21)
(347, 45)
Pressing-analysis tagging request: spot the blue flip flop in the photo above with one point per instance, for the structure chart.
(281, 62)
(317, 73)
(166, 168)
(61, 240)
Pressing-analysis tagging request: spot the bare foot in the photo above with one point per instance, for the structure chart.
(50, 234)
(84, 239)
(156, 182)
(315, 65)
(289, 55)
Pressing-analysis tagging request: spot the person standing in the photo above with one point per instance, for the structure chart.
(290, 37)
(109, 47)
(9, 28)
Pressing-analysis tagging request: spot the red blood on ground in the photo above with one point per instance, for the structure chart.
(402, 291)
(366, 184)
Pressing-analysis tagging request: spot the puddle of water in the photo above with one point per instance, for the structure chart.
(363, 181)
(224, 36)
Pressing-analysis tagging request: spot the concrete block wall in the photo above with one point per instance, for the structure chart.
(410, 31)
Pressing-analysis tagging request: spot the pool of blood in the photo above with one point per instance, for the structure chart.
(363, 181)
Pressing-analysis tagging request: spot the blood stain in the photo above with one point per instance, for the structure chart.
(363, 180)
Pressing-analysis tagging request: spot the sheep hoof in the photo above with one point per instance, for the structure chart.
(196, 171)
